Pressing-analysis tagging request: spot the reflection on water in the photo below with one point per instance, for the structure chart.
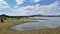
(53, 22)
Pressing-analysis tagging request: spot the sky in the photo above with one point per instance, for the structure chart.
(29, 7)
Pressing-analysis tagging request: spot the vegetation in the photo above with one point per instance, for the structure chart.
(5, 27)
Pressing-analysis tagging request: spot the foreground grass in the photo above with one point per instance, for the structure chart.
(5, 28)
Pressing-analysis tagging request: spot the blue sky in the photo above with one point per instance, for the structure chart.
(29, 7)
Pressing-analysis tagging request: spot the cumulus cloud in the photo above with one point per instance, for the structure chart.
(39, 9)
(20, 1)
(35, 0)
(3, 4)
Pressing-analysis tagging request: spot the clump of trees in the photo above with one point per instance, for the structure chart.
(5, 17)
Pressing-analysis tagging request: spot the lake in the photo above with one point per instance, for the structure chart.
(52, 22)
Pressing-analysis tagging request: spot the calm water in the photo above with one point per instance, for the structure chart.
(52, 22)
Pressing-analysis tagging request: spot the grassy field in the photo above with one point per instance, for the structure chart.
(5, 27)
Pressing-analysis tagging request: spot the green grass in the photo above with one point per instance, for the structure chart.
(5, 27)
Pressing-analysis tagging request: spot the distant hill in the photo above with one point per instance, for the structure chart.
(39, 15)
(3, 15)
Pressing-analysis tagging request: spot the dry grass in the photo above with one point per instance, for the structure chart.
(4, 28)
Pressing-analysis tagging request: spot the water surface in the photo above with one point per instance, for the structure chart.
(53, 22)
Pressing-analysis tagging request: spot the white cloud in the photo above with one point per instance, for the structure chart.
(20, 1)
(3, 4)
(53, 5)
(39, 9)
(15, 6)
(35, 0)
